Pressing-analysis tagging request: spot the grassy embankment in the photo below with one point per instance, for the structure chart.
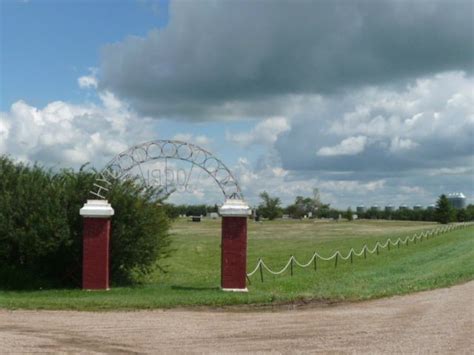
(194, 270)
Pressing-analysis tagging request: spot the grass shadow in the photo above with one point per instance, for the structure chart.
(194, 288)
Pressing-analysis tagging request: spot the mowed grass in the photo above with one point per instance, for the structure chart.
(193, 278)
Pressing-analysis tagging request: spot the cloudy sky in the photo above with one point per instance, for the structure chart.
(370, 101)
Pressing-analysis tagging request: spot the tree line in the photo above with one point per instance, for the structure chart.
(174, 211)
(271, 208)
(312, 207)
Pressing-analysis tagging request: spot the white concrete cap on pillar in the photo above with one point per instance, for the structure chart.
(235, 289)
(235, 208)
(97, 209)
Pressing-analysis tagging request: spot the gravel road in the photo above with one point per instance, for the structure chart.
(439, 321)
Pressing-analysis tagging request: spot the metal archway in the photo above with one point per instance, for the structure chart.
(123, 163)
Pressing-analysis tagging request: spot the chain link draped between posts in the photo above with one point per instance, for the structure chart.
(365, 249)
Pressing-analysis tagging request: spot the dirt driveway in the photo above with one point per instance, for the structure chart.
(439, 321)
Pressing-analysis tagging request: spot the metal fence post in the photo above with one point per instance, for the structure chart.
(261, 270)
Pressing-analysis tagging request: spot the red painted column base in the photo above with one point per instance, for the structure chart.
(95, 260)
(234, 253)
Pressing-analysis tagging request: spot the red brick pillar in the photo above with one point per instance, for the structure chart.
(234, 245)
(96, 237)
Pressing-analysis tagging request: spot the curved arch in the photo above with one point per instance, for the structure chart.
(123, 163)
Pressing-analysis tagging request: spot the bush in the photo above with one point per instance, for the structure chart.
(41, 229)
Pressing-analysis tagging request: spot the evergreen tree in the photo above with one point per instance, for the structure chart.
(444, 211)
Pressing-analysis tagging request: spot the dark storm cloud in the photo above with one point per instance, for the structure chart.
(224, 58)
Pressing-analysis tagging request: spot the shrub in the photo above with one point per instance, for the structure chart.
(41, 229)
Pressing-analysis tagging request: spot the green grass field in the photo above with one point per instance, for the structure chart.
(194, 269)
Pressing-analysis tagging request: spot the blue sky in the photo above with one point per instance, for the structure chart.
(371, 102)
(47, 44)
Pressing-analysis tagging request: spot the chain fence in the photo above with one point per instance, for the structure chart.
(261, 266)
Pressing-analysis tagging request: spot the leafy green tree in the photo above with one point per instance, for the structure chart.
(444, 211)
(301, 207)
(325, 211)
(270, 206)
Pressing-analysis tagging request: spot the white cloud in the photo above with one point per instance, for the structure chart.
(265, 132)
(412, 190)
(349, 146)
(4, 131)
(89, 81)
(458, 170)
(86, 82)
(353, 186)
(185, 137)
(288, 184)
(437, 105)
(203, 140)
(68, 134)
(200, 140)
(400, 144)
